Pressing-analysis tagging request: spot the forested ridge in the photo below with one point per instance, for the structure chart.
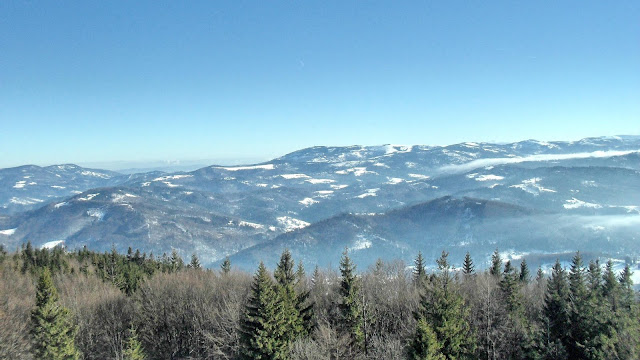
(56, 304)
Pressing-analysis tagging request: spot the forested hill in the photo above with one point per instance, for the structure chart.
(553, 197)
(87, 305)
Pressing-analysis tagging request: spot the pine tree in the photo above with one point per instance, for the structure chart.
(424, 344)
(556, 312)
(351, 315)
(419, 273)
(444, 310)
(226, 266)
(195, 262)
(524, 272)
(52, 328)
(496, 264)
(262, 328)
(467, 266)
(133, 348)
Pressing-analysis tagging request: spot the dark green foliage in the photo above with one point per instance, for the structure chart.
(425, 344)
(467, 266)
(443, 309)
(351, 319)
(195, 262)
(296, 314)
(133, 349)
(524, 272)
(3, 253)
(262, 326)
(557, 313)
(539, 275)
(225, 267)
(496, 264)
(52, 330)
(419, 273)
(510, 286)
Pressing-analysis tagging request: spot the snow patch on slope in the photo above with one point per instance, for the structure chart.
(291, 224)
(575, 204)
(252, 167)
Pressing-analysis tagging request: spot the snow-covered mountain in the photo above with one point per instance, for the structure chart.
(536, 197)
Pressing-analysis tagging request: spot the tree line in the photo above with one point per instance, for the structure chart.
(56, 304)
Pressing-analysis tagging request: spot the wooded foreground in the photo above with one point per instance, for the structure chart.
(87, 305)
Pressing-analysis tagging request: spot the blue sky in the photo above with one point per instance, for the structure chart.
(91, 82)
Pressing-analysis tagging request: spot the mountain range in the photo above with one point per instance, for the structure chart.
(531, 198)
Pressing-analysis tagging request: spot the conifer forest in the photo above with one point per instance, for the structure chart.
(56, 304)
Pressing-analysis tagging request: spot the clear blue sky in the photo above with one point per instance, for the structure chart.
(92, 81)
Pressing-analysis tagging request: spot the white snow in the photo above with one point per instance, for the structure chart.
(19, 184)
(390, 149)
(394, 181)
(320, 181)
(144, 184)
(532, 186)
(95, 174)
(295, 176)
(324, 192)
(308, 201)
(51, 244)
(361, 243)
(171, 185)
(357, 171)
(58, 187)
(370, 192)
(262, 185)
(420, 176)
(96, 213)
(291, 224)
(25, 201)
(120, 197)
(171, 177)
(252, 167)
(489, 177)
(338, 187)
(7, 232)
(88, 197)
(379, 164)
(458, 168)
(575, 203)
(250, 224)
(59, 205)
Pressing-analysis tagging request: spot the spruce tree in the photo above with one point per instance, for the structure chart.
(524, 272)
(419, 273)
(262, 325)
(467, 266)
(289, 303)
(425, 345)
(133, 348)
(444, 310)
(539, 274)
(496, 264)
(556, 312)
(195, 262)
(225, 267)
(351, 316)
(579, 310)
(52, 329)
(510, 286)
